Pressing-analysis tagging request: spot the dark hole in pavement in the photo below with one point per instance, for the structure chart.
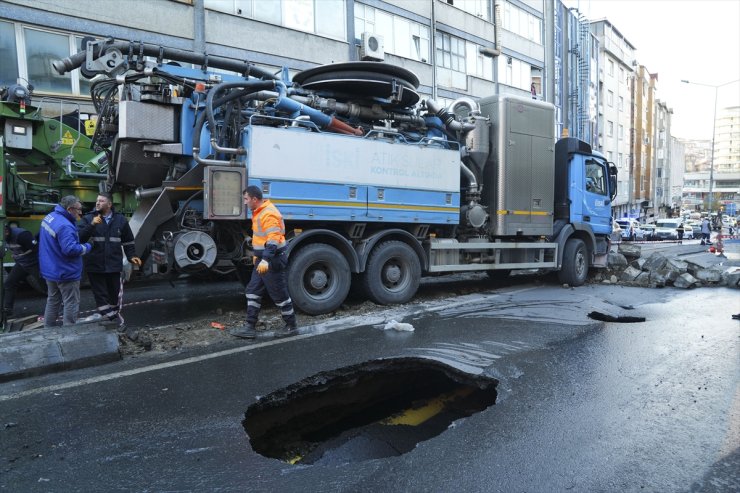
(606, 317)
(379, 408)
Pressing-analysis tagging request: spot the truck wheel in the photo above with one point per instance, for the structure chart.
(575, 263)
(392, 274)
(318, 279)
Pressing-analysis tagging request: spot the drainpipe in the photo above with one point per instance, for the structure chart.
(433, 56)
(199, 26)
(350, 23)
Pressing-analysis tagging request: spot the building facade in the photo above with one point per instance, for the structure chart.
(661, 197)
(457, 48)
(616, 59)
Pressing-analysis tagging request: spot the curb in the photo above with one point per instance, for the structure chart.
(39, 351)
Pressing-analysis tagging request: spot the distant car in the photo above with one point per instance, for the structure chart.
(688, 231)
(648, 232)
(667, 229)
(696, 229)
(630, 229)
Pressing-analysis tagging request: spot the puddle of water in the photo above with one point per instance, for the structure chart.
(376, 409)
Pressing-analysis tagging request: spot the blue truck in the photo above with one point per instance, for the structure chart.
(377, 186)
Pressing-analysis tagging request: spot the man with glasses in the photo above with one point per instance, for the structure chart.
(60, 261)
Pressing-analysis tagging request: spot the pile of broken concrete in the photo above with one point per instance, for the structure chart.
(628, 267)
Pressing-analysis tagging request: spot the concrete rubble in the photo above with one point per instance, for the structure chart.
(627, 266)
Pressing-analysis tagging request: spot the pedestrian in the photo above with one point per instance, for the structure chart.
(705, 232)
(25, 252)
(60, 261)
(271, 263)
(110, 236)
(680, 232)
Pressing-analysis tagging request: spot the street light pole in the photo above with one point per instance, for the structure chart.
(710, 202)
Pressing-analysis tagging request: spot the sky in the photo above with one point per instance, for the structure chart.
(694, 40)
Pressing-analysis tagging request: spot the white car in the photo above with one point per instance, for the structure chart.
(630, 229)
(667, 229)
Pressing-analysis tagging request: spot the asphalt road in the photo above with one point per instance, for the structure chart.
(581, 405)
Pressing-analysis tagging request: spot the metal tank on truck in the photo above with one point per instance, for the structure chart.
(376, 187)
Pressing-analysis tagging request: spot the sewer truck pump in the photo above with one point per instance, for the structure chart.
(376, 187)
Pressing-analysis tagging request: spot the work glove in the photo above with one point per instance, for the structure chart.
(97, 220)
(255, 260)
(136, 261)
(263, 267)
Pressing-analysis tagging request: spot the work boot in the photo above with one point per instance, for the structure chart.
(245, 332)
(286, 331)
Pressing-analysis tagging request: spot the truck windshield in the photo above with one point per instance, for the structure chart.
(595, 177)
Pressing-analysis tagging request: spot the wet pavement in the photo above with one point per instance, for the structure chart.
(581, 405)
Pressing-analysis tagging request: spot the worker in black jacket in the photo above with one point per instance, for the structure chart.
(110, 236)
(25, 251)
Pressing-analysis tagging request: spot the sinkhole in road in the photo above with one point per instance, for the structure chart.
(606, 317)
(379, 408)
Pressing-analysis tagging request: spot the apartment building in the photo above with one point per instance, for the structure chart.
(616, 64)
(450, 44)
(661, 196)
(457, 48)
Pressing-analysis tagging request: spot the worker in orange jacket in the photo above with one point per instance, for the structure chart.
(271, 263)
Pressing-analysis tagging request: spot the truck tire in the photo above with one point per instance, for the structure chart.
(575, 263)
(392, 274)
(318, 279)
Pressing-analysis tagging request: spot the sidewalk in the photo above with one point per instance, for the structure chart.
(38, 351)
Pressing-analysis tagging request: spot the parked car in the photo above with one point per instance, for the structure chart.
(688, 231)
(630, 229)
(667, 229)
(648, 232)
(696, 229)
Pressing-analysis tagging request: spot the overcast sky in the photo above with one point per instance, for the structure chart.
(696, 40)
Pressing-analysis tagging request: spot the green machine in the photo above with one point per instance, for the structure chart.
(45, 154)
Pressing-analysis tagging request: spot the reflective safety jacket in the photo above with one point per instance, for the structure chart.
(110, 241)
(60, 250)
(268, 230)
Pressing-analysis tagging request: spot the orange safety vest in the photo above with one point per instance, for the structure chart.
(268, 226)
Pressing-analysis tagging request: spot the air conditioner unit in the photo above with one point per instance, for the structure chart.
(371, 47)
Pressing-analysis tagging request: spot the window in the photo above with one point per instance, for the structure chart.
(610, 129)
(611, 67)
(401, 37)
(621, 103)
(522, 23)
(8, 55)
(595, 178)
(450, 60)
(476, 63)
(41, 49)
(325, 17)
(515, 73)
(620, 136)
(610, 98)
(479, 8)
(621, 74)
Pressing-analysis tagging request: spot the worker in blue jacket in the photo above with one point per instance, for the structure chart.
(60, 260)
(111, 238)
(24, 249)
